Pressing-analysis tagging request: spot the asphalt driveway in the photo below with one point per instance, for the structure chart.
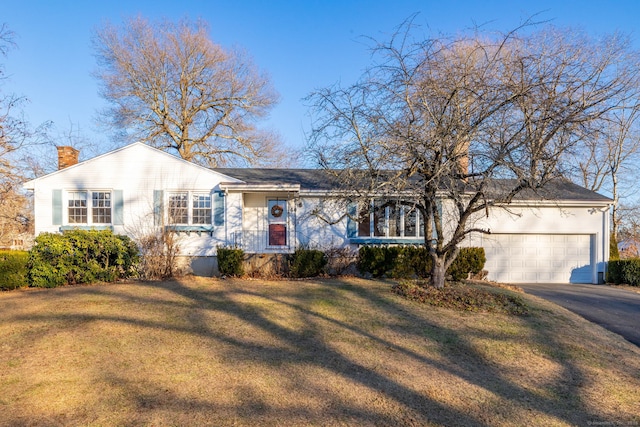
(617, 310)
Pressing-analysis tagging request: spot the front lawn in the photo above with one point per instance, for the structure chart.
(201, 351)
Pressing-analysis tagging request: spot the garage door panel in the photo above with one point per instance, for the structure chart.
(517, 251)
(520, 258)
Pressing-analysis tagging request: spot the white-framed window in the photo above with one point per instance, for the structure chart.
(89, 207)
(201, 208)
(178, 208)
(101, 207)
(383, 219)
(77, 207)
(189, 208)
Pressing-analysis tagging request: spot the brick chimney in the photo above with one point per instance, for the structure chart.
(461, 156)
(67, 156)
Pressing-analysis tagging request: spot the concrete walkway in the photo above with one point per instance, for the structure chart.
(617, 310)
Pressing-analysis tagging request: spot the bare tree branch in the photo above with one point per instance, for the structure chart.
(469, 122)
(170, 86)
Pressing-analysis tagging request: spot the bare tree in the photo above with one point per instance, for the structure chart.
(455, 127)
(169, 85)
(15, 136)
(608, 159)
(629, 225)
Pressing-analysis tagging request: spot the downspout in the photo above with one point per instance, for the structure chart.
(294, 220)
(605, 242)
(226, 219)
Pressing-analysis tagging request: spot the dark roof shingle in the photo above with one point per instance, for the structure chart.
(323, 180)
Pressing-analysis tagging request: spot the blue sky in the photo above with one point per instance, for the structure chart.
(302, 45)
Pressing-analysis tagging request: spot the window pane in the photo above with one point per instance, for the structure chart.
(178, 208)
(410, 221)
(101, 207)
(394, 220)
(277, 211)
(77, 207)
(364, 224)
(201, 205)
(379, 217)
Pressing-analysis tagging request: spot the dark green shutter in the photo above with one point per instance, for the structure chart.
(57, 207)
(118, 206)
(158, 206)
(218, 208)
(352, 224)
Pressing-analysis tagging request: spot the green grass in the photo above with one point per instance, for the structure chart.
(317, 352)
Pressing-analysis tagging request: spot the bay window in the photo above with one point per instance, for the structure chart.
(382, 219)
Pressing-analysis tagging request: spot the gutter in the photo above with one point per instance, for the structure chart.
(260, 188)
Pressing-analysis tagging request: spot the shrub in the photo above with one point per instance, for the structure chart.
(371, 259)
(415, 261)
(13, 269)
(307, 263)
(158, 255)
(624, 271)
(464, 298)
(80, 256)
(614, 271)
(230, 261)
(469, 260)
(340, 260)
(394, 261)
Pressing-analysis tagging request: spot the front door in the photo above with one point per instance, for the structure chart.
(277, 218)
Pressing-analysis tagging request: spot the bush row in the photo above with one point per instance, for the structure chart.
(302, 263)
(389, 261)
(80, 256)
(624, 272)
(415, 261)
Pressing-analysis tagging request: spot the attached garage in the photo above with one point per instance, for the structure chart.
(540, 258)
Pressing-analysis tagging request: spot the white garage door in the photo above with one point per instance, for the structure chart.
(538, 258)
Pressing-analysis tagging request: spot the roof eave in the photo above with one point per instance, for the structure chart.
(259, 188)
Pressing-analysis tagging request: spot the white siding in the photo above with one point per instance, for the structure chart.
(555, 244)
(137, 170)
(322, 223)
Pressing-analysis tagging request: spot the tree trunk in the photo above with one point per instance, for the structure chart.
(438, 271)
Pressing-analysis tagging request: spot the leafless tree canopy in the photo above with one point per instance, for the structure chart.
(15, 136)
(608, 158)
(169, 85)
(475, 120)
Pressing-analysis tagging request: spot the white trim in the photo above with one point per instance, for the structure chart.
(89, 206)
(260, 188)
(190, 193)
(30, 185)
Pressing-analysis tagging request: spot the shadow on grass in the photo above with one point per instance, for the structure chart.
(305, 347)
